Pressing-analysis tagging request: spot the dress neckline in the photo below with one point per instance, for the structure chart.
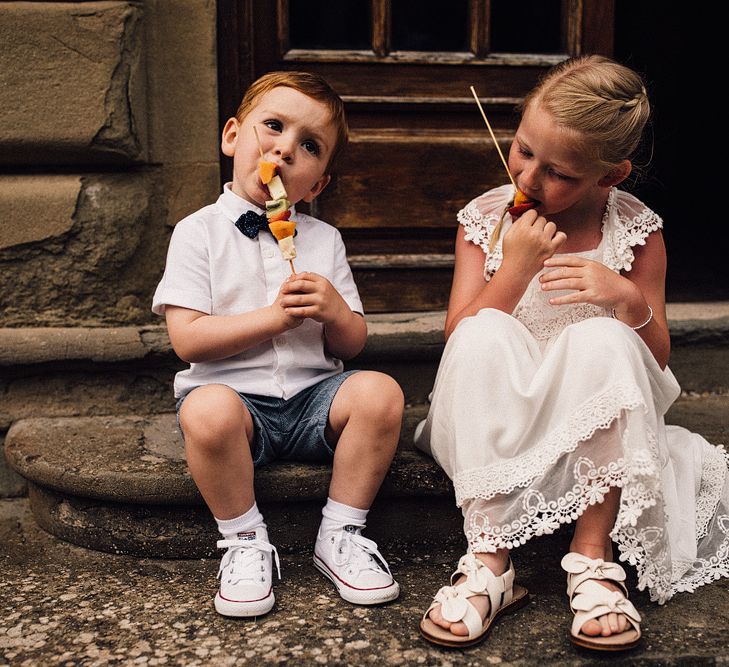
(603, 223)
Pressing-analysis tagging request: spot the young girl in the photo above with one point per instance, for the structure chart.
(549, 401)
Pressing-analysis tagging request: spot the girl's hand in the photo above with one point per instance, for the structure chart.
(591, 281)
(311, 295)
(529, 241)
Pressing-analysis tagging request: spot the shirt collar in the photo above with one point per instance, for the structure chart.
(233, 206)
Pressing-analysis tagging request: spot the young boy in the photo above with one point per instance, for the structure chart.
(265, 380)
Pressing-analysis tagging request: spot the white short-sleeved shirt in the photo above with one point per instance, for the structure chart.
(215, 269)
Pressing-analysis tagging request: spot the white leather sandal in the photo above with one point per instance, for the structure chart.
(504, 596)
(590, 600)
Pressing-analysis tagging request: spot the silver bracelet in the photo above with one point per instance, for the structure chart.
(640, 326)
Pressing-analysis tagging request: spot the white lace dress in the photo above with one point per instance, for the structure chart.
(537, 416)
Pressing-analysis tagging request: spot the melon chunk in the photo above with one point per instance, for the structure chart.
(266, 170)
(282, 228)
(276, 188)
(283, 231)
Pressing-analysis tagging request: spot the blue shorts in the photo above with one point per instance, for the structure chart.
(293, 429)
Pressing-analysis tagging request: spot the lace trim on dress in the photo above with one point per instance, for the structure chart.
(706, 570)
(628, 230)
(545, 320)
(713, 480)
(627, 222)
(637, 532)
(641, 546)
(478, 228)
(592, 483)
(598, 412)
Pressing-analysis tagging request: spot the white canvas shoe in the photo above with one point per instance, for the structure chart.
(355, 566)
(246, 573)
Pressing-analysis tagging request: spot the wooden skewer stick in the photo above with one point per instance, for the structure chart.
(496, 143)
(258, 141)
(260, 150)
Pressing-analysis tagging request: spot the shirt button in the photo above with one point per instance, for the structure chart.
(268, 253)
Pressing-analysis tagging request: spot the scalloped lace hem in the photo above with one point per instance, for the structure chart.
(599, 412)
(639, 530)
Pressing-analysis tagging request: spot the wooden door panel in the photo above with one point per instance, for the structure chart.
(419, 82)
(419, 149)
(421, 286)
(415, 181)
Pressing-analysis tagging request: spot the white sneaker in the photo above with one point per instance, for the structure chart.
(355, 566)
(245, 575)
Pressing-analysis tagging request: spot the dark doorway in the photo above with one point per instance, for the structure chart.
(667, 43)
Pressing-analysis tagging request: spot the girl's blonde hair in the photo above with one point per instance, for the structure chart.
(603, 100)
(599, 98)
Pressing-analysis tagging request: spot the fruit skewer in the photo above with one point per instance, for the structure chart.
(277, 208)
(521, 203)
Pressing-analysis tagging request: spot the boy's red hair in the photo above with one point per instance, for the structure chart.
(311, 85)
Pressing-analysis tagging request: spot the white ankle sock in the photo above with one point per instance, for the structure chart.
(337, 515)
(245, 523)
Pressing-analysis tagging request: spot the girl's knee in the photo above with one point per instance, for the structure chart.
(601, 332)
(486, 325)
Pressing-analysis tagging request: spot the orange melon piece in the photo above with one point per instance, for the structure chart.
(282, 228)
(266, 170)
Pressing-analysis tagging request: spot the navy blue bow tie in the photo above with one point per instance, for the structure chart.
(250, 223)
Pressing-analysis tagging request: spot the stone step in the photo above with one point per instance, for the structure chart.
(68, 372)
(120, 484)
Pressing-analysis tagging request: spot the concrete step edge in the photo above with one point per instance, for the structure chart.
(140, 459)
(418, 335)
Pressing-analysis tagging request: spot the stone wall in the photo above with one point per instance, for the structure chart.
(108, 136)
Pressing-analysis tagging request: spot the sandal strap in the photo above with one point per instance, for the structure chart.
(480, 580)
(594, 600)
(455, 606)
(581, 569)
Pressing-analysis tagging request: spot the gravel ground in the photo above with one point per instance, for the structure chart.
(64, 605)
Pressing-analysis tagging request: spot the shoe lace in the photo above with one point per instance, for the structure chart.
(349, 546)
(242, 554)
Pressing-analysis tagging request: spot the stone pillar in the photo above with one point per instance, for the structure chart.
(108, 136)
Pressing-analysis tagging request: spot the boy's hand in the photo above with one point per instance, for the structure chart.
(529, 241)
(311, 295)
(288, 321)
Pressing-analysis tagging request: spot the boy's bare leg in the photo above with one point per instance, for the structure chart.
(364, 420)
(218, 429)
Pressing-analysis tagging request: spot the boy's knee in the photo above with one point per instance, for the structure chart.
(212, 414)
(391, 400)
(379, 396)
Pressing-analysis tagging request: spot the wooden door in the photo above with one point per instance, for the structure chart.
(419, 149)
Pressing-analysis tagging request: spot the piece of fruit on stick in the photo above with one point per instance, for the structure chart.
(267, 172)
(277, 209)
(283, 232)
(521, 204)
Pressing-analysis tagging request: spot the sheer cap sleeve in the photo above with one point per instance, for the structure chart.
(629, 222)
(480, 216)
